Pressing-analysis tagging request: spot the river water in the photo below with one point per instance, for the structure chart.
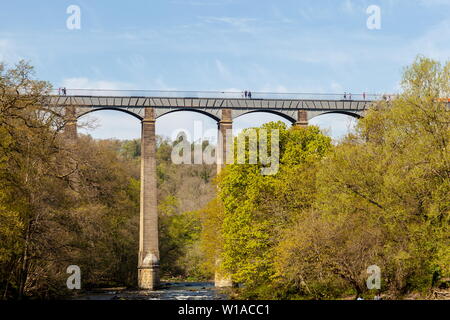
(168, 291)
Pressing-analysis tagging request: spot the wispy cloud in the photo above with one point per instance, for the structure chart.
(242, 24)
(133, 61)
(433, 43)
(348, 6)
(8, 52)
(86, 83)
(223, 70)
(431, 3)
(203, 3)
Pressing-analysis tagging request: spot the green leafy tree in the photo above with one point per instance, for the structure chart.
(258, 207)
(382, 198)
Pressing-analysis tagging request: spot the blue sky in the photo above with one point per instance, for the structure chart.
(282, 46)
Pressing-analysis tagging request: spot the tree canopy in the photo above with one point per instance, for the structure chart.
(379, 197)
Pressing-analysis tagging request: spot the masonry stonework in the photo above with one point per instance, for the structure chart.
(225, 142)
(148, 267)
(302, 118)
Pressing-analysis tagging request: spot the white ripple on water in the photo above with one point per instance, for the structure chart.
(172, 291)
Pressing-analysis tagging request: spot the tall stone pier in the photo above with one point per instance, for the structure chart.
(224, 140)
(70, 135)
(224, 155)
(148, 266)
(70, 127)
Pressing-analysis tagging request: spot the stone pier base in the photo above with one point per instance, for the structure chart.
(221, 281)
(148, 277)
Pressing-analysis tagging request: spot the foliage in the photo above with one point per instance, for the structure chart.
(255, 206)
(64, 203)
(380, 197)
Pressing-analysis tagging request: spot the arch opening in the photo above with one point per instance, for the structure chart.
(336, 124)
(271, 112)
(256, 119)
(198, 125)
(105, 124)
(346, 113)
(110, 109)
(207, 114)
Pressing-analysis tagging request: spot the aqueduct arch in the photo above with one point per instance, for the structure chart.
(78, 116)
(287, 117)
(314, 114)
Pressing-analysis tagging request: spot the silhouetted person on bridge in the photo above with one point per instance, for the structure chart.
(245, 94)
(64, 91)
(345, 95)
(249, 95)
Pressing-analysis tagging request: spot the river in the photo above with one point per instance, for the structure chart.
(167, 291)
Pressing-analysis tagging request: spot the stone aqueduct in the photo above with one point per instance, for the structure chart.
(222, 110)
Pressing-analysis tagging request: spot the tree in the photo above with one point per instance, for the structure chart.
(32, 182)
(382, 198)
(257, 208)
